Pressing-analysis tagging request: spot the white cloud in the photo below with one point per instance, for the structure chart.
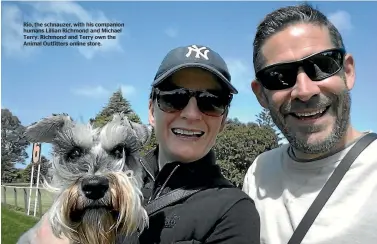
(171, 32)
(99, 91)
(96, 91)
(57, 12)
(12, 36)
(128, 90)
(242, 74)
(341, 20)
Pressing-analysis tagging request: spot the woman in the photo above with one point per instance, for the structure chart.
(188, 106)
(187, 198)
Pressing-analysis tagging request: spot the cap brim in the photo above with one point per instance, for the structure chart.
(171, 71)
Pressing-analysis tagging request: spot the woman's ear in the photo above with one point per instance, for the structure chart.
(223, 122)
(151, 113)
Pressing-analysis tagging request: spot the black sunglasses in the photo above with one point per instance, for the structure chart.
(208, 103)
(317, 67)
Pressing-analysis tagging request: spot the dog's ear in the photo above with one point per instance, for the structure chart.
(47, 128)
(143, 132)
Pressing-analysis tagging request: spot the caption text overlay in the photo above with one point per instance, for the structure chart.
(37, 34)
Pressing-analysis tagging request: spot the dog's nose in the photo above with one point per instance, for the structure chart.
(95, 187)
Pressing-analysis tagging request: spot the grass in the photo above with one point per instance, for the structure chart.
(14, 224)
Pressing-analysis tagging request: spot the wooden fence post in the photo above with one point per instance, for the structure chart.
(15, 196)
(4, 196)
(40, 202)
(25, 199)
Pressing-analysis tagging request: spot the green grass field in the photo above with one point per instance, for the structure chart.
(14, 224)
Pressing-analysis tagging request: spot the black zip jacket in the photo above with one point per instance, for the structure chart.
(219, 213)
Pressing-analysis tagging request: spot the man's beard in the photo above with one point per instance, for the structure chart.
(340, 107)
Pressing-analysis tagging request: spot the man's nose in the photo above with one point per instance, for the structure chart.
(304, 88)
(191, 111)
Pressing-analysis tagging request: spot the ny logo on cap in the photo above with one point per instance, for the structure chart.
(199, 52)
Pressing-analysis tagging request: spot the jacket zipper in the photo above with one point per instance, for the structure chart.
(146, 169)
(163, 185)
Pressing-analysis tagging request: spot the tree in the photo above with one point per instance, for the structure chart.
(13, 143)
(152, 144)
(117, 104)
(238, 145)
(264, 119)
(45, 166)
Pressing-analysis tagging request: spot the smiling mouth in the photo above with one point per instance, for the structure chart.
(187, 133)
(310, 115)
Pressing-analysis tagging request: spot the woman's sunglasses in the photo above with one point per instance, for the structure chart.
(317, 67)
(208, 103)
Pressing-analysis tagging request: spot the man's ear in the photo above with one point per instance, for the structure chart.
(258, 91)
(349, 71)
(151, 113)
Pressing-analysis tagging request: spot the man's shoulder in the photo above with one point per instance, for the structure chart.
(269, 158)
(265, 166)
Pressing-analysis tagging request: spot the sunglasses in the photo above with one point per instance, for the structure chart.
(317, 67)
(208, 103)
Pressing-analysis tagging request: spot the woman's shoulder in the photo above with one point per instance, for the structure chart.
(222, 198)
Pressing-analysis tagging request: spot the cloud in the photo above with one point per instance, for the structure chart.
(341, 20)
(99, 91)
(56, 12)
(242, 74)
(128, 90)
(171, 32)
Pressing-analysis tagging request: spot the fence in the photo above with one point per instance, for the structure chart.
(18, 195)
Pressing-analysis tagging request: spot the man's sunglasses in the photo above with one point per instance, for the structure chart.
(317, 67)
(208, 103)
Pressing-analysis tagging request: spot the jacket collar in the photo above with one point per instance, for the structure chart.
(150, 163)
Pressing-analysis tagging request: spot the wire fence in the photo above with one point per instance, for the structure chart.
(19, 194)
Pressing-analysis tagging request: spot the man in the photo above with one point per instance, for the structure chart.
(304, 77)
(188, 107)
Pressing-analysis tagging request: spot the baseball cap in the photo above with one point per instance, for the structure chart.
(194, 56)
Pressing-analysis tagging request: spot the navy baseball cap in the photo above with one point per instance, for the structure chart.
(194, 56)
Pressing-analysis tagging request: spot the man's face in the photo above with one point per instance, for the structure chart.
(173, 144)
(329, 99)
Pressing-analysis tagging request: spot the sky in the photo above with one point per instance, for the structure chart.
(39, 81)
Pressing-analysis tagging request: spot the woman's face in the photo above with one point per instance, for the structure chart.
(174, 130)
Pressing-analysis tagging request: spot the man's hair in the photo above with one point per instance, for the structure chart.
(281, 18)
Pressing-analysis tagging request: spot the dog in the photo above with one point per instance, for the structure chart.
(97, 175)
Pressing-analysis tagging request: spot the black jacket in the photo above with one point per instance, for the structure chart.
(218, 213)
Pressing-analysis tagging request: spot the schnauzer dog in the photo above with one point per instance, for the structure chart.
(97, 176)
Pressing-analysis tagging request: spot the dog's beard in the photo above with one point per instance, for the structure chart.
(122, 213)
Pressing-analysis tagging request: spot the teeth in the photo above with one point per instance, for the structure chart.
(311, 113)
(187, 132)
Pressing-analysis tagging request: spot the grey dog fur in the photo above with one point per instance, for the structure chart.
(97, 158)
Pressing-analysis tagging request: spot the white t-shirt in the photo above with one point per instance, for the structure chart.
(284, 189)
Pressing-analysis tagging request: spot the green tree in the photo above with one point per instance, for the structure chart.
(152, 144)
(117, 104)
(264, 119)
(45, 166)
(13, 144)
(239, 144)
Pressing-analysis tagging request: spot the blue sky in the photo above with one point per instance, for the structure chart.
(39, 81)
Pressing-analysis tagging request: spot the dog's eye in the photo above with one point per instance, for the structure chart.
(74, 153)
(117, 152)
